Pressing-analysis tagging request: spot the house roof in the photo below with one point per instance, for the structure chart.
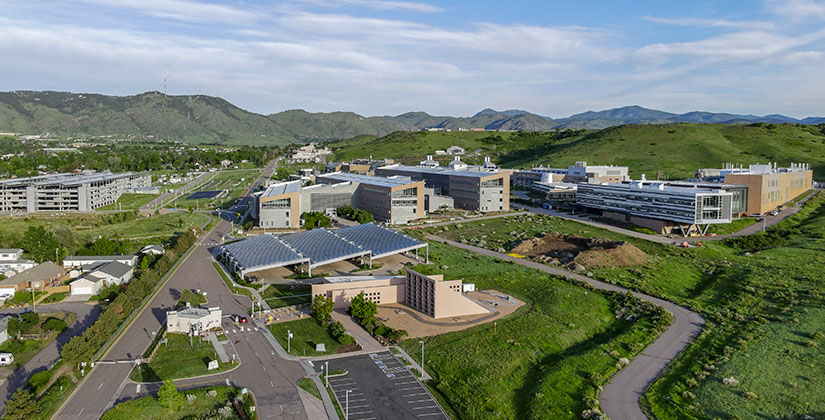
(37, 273)
(10, 250)
(148, 248)
(114, 269)
(100, 257)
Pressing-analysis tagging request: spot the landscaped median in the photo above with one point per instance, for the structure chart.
(306, 334)
(179, 357)
(219, 402)
(229, 284)
(282, 295)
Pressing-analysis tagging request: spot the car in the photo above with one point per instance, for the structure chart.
(240, 319)
(774, 212)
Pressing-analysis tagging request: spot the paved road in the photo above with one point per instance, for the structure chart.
(85, 315)
(271, 379)
(620, 397)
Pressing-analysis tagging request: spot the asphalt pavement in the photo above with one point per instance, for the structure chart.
(378, 386)
(85, 315)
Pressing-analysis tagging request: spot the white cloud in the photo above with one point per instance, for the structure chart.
(797, 9)
(716, 23)
(378, 4)
(182, 10)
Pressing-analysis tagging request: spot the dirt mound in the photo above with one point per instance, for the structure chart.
(557, 248)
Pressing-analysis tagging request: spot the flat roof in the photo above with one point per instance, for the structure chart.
(440, 171)
(653, 187)
(352, 279)
(368, 179)
(68, 179)
(282, 188)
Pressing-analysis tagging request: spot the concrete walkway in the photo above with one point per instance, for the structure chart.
(313, 406)
(620, 398)
(368, 343)
(218, 347)
(413, 364)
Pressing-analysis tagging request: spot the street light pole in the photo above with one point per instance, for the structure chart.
(288, 341)
(326, 366)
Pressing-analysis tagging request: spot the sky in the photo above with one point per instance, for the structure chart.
(454, 57)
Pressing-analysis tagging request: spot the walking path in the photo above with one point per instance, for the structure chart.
(218, 347)
(620, 397)
(362, 337)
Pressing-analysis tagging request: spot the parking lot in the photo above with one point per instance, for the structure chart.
(381, 387)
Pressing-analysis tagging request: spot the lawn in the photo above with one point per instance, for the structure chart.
(128, 201)
(544, 361)
(308, 385)
(306, 333)
(232, 288)
(55, 297)
(24, 350)
(732, 227)
(281, 295)
(229, 180)
(177, 360)
(190, 297)
(203, 406)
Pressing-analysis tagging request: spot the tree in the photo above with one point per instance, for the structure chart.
(336, 329)
(169, 397)
(282, 174)
(321, 307)
(39, 243)
(315, 219)
(21, 406)
(362, 308)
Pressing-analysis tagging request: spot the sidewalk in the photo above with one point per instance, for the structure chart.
(218, 347)
(362, 337)
(424, 375)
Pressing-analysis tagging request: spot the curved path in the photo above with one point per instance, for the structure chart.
(620, 398)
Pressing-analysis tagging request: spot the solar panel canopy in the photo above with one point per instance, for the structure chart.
(379, 240)
(262, 252)
(322, 246)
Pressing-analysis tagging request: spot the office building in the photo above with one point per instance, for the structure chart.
(580, 172)
(768, 186)
(431, 295)
(69, 192)
(658, 206)
(278, 206)
(392, 200)
(193, 320)
(470, 189)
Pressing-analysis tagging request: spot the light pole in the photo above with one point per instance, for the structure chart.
(326, 366)
(422, 356)
(288, 341)
(346, 413)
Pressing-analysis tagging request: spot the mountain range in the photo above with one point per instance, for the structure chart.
(209, 119)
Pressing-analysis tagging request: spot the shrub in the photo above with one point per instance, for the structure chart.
(751, 395)
(346, 340)
(54, 324)
(169, 397)
(38, 381)
(730, 381)
(336, 329)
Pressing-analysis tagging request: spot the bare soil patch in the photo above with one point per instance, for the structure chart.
(556, 248)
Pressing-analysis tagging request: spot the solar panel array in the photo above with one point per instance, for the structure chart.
(320, 245)
(378, 239)
(200, 195)
(263, 250)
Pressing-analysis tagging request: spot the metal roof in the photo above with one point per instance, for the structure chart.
(115, 269)
(367, 179)
(263, 251)
(438, 171)
(67, 179)
(379, 240)
(282, 188)
(322, 246)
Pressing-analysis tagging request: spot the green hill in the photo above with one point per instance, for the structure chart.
(676, 150)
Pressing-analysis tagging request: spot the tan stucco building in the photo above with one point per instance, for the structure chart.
(431, 295)
(770, 187)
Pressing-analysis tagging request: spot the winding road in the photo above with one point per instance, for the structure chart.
(620, 398)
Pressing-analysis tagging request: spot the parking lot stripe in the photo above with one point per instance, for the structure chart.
(409, 388)
(413, 395)
(418, 401)
(361, 412)
(429, 414)
(360, 406)
(405, 383)
(424, 408)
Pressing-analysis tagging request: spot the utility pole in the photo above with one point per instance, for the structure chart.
(288, 341)
(326, 366)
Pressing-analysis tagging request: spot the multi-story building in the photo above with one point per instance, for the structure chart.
(768, 185)
(68, 192)
(658, 206)
(278, 206)
(431, 295)
(580, 172)
(392, 200)
(470, 189)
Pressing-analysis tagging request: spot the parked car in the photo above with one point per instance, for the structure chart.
(774, 212)
(6, 359)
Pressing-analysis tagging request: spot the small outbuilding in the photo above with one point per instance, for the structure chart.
(182, 321)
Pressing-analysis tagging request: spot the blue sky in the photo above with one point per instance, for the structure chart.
(379, 57)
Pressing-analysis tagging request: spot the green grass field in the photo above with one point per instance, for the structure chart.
(149, 408)
(177, 360)
(544, 361)
(732, 227)
(230, 180)
(281, 295)
(55, 297)
(306, 333)
(130, 202)
(309, 386)
(228, 282)
(762, 298)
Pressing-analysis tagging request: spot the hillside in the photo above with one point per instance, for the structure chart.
(676, 150)
(207, 119)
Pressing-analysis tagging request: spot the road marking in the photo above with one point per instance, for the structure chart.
(273, 385)
(413, 395)
(81, 411)
(429, 414)
(360, 412)
(360, 406)
(137, 389)
(101, 386)
(418, 401)
(409, 388)
(424, 408)
(405, 383)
